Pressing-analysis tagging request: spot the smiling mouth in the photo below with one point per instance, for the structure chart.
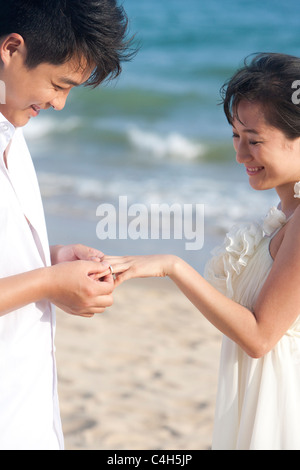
(36, 109)
(254, 170)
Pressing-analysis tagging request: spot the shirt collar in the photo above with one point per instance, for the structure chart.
(7, 131)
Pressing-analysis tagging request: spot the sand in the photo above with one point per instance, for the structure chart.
(141, 376)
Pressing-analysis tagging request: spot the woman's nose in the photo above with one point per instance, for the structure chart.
(243, 153)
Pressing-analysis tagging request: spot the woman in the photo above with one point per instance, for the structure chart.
(251, 292)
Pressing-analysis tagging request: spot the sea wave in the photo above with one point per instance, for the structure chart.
(170, 145)
(225, 202)
(47, 126)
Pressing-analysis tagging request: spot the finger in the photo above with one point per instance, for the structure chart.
(99, 269)
(90, 315)
(101, 276)
(118, 266)
(99, 307)
(96, 256)
(110, 278)
(120, 278)
(110, 273)
(118, 281)
(106, 277)
(87, 253)
(101, 303)
(115, 260)
(93, 312)
(103, 288)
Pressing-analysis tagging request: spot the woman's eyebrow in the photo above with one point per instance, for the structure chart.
(249, 131)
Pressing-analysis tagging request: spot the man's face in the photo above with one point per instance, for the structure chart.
(30, 90)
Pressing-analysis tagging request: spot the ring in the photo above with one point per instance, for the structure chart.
(111, 269)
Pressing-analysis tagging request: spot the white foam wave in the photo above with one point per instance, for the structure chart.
(41, 127)
(171, 145)
(225, 203)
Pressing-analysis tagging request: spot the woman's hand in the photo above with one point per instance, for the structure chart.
(129, 267)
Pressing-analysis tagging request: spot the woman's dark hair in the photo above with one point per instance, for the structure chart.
(56, 31)
(267, 79)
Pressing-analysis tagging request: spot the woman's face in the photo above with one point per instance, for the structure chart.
(271, 160)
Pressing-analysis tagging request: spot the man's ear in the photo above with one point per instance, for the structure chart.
(11, 44)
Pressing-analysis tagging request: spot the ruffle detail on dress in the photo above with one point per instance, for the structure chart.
(297, 190)
(239, 246)
(229, 260)
(274, 220)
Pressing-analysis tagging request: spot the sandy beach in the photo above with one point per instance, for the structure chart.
(142, 376)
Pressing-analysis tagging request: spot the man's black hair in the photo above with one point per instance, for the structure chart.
(56, 31)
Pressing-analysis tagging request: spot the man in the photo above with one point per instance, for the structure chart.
(46, 49)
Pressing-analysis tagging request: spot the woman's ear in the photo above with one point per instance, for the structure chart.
(10, 45)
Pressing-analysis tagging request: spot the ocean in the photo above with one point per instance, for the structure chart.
(158, 135)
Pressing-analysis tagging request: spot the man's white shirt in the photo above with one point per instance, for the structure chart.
(29, 409)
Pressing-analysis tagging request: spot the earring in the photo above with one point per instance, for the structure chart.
(297, 190)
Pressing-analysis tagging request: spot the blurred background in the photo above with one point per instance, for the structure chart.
(158, 133)
(143, 376)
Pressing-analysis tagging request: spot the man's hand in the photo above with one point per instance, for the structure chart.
(79, 283)
(82, 288)
(63, 253)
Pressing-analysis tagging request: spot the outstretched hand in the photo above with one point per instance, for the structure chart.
(129, 267)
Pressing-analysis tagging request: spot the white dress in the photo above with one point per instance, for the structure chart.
(258, 400)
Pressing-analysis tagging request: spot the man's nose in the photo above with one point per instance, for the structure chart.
(59, 102)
